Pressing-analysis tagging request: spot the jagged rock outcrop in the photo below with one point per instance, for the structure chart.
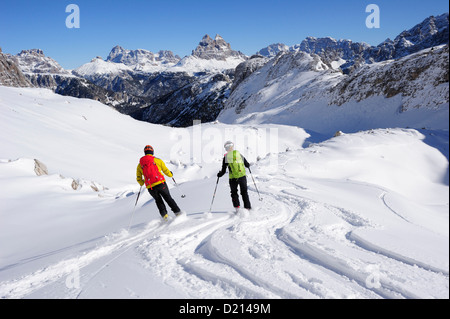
(217, 49)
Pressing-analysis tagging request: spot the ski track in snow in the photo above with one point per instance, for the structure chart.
(277, 250)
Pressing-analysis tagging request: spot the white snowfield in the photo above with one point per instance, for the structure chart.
(361, 215)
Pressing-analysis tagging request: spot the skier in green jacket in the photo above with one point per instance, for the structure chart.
(236, 164)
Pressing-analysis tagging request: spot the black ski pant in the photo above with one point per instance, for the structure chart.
(242, 183)
(161, 193)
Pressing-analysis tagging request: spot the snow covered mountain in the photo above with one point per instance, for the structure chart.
(421, 79)
(178, 91)
(34, 61)
(349, 55)
(98, 68)
(143, 60)
(298, 88)
(201, 99)
(31, 68)
(217, 49)
(121, 62)
(362, 215)
(273, 49)
(209, 56)
(165, 89)
(433, 31)
(323, 83)
(10, 73)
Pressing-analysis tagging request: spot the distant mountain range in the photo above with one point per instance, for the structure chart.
(166, 89)
(349, 55)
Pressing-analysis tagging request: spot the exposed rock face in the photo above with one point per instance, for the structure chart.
(10, 73)
(421, 78)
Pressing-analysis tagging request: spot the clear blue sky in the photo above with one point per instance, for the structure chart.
(179, 25)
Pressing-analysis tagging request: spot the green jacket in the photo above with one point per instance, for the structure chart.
(236, 164)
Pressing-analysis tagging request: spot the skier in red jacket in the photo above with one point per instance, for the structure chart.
(150, 172)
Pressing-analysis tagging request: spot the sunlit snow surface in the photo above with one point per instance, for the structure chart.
(361, 215)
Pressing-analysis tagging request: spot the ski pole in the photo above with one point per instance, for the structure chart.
(135, 204)
(260, 198)
(182, 195)
(214, 196)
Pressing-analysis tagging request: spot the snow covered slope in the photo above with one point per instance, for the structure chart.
(361, 215)
(300, 89)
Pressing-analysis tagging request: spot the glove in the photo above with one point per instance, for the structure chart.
(219, 175)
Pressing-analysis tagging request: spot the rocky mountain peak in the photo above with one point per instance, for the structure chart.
(35, 62)
(116, 51)
(433, 31)
(217, 49)
(33, 52)
(206, 40)
(167, 56)
(140, 58)
(10, 74)
(349, 55)
(429, 27)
